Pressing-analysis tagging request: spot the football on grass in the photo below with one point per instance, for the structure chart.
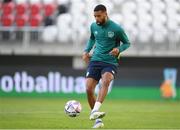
(73, 108)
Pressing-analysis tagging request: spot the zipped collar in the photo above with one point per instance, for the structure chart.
(106, 23)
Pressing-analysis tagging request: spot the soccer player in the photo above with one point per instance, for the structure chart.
(108, 40)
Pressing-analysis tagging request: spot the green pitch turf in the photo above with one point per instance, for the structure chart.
(48, 113)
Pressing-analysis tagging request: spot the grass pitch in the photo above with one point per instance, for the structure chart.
(48, 113)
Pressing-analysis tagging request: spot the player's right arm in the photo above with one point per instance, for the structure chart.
(89, 46)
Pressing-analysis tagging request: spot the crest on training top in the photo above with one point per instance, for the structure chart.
(110, 34)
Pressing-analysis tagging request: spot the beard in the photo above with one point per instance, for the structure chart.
(101, 23)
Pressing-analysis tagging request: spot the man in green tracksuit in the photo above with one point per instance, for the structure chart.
(108, 40)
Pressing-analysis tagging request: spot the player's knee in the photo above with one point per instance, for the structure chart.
(105, 82)
(89, 89)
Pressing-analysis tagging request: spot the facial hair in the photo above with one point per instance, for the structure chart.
(101, 23)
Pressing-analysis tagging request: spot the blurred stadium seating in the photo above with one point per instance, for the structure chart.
(53, 26)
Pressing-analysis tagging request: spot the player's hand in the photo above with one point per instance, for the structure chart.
(86, 57)
(114, 52)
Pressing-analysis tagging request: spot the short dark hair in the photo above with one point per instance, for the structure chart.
(100, 7)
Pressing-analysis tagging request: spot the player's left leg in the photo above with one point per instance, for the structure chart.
(107, 77)
(98, 123)
(90, 85)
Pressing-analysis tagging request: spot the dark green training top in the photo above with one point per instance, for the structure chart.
(105, 38)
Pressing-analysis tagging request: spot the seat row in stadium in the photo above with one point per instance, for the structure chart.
(22, 8)
(25, 14)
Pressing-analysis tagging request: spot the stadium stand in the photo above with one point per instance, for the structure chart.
(52, 26)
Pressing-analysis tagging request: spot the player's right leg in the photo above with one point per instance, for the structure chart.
(90, 86)
(96, 115)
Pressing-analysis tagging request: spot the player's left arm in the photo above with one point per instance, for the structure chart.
(124, 40)
(121, 35)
